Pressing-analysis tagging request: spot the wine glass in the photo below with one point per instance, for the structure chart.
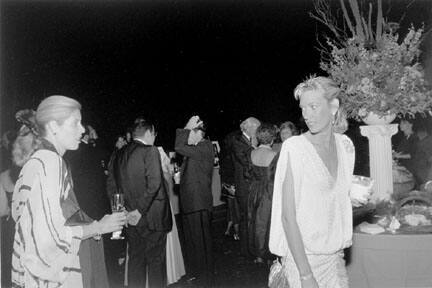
(117, 205)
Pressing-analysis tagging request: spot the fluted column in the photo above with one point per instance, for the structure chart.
(380, 159)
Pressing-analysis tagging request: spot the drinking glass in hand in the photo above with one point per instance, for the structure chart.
(117, 205)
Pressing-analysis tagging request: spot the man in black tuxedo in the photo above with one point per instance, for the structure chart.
(196, 199)
(138, 174)
(242, 146)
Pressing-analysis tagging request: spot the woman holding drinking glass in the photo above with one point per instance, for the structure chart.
(50, 226)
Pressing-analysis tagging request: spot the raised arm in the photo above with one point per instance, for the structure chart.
(181, 145)
(192, 150)
(292, 231)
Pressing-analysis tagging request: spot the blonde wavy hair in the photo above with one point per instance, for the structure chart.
(330, 91)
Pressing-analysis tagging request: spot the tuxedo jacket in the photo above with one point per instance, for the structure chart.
(241, 150)
(196, 173)
(138, 174)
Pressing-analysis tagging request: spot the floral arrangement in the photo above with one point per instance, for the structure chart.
(377, 70)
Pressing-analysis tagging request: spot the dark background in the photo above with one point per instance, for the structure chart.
(166, 60)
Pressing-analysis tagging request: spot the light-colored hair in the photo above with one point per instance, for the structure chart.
(23, 148)
(330, 91)
(251, 121)
(289, 125)
(55, 108)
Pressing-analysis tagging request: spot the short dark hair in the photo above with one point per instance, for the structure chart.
(141, 126)
(266, 133)
(289, 125)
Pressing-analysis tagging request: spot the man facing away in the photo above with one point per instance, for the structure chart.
(138, 173)
(242, 146)
(196, 200)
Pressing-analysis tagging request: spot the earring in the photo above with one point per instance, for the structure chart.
(334, 118)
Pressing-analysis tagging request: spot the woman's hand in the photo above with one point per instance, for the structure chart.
(112, 222)
(309, 283)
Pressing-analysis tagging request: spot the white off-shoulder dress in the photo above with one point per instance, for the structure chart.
(323, 210)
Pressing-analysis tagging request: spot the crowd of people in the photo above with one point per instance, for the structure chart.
(287, 195)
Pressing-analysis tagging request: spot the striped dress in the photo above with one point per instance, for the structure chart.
(45, 248)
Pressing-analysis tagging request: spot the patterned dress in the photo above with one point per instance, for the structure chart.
(323, 210)
(45, 248)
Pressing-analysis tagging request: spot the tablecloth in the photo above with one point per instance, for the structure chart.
(390, 260)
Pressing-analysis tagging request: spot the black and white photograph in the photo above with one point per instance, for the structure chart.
(219, 143)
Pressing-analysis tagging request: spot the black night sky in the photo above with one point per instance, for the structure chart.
(166, 60)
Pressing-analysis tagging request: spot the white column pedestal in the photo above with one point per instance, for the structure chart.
(380, 159)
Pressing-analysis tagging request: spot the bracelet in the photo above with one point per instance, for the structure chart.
(98, 235)
(306, 277)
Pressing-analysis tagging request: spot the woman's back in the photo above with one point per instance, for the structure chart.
(262, 156)
(259, 202)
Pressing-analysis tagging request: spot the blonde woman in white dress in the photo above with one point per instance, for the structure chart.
(311, 214)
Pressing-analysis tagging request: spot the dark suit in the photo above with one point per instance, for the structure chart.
(138, 173)
(242, 148)
(227, 174)
(87, 169)
(196, 203)
(227, 162)
(422, 160)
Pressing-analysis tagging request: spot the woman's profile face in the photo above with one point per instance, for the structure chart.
(69, 133)
(285, 134)
(316, 111)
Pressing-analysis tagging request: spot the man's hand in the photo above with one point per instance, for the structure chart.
(193, 122)
(133, 217)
